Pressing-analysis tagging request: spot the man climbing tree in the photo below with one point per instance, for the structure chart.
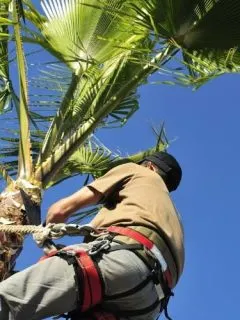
(129, 262)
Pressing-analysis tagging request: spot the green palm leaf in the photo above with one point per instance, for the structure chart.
(95, 158)
(5, 174)
(92, 158)
(89, 28)
(123, 111)
(205, 65)
(199, 24)
(25, 159)
(207, 32)
(215, 25)
(5, 90)
(33, 15)
(87, 213)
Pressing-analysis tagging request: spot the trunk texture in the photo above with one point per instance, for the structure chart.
(15, 205)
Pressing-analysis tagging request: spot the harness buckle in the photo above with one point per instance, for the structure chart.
(99, 246)
(68, 255)
(100, 232)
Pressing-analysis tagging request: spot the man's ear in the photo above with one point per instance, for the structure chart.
(151, 166)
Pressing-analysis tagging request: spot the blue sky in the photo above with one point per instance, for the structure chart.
(205, 128)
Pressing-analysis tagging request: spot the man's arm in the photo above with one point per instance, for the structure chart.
(61, 210)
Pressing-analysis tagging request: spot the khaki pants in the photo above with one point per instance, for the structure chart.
(48, 287)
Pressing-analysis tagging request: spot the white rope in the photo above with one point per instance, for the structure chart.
(20, 229)
(41, 234)
(55, 231)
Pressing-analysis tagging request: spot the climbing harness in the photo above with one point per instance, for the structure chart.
(87, 272)
(90, 277)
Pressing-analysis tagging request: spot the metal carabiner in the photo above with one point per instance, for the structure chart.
(99, 246)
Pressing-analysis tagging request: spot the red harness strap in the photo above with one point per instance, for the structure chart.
(49, 255)
(92, 286)
(140, 238)
(92, 283)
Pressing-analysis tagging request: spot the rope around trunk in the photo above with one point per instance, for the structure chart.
(52, 230)
(21, 229)
(42, 235)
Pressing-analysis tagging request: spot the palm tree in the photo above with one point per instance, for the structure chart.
(101, 52)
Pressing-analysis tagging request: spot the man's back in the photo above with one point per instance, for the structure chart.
(137, 196)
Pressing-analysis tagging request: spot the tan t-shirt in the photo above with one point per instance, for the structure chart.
(135, 195)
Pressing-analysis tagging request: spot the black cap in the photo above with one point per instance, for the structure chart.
(169, 165)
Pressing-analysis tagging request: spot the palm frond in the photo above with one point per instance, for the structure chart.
(207, 32)
(92, 31)
(95, 91)
(223, 60)
(5, 86)
(158, 16)
(199, 24)
(162, 144)
(9, 147)
(92, 158)
(74, 139)
(87, 213)
(121, 114)
(47, 91)
(32, 14)
(4, 173)
(215, 25)
(95, 158)
(25, 159)
(205, 65)
(19, 7)
(85, 96)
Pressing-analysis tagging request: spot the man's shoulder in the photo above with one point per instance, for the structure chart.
(128, 169)
(134, 169)
(129, 165)
(126, 166)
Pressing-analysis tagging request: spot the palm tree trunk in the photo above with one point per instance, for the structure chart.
(13, 208)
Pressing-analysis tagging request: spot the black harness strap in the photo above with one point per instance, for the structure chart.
(125, 246)
(138, 312)
(129, 292)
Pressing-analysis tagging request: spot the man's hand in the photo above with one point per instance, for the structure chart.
(57, 213)
(61, 210)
